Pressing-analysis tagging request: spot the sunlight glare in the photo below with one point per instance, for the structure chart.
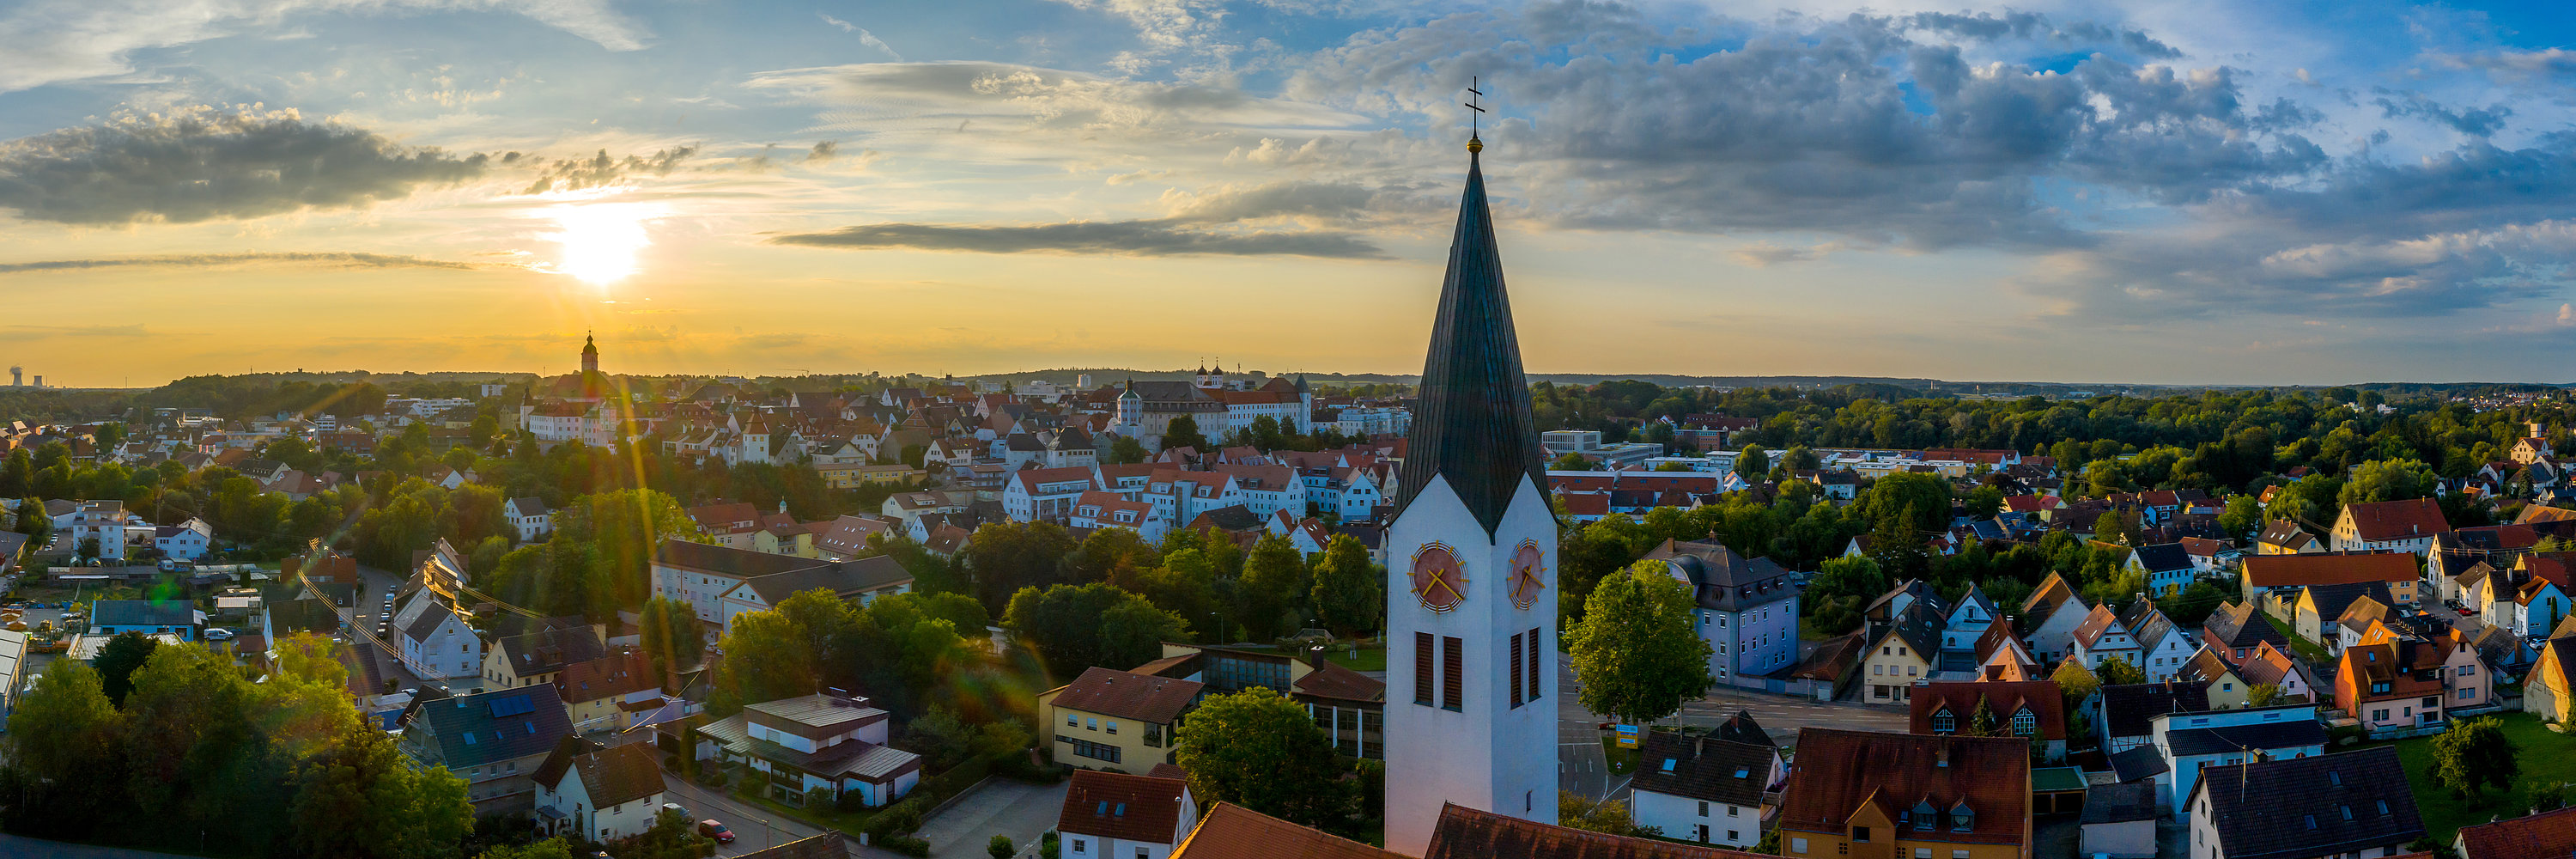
(601, 241)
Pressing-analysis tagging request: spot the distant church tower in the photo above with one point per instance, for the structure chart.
(589, 356)
(1471, 615)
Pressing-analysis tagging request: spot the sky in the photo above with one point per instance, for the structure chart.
(2169, 192)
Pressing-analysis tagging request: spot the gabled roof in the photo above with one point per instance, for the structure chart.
(1698, 766)
(2409, 519)
(1122, 806)
(1722, 580)
(2205, 667)
(2003, 698)
(2239, 624)
(2285, 533)
(1230, 831)
(2280, 571)
(487, 727)
(2547, 835)
(843, 578)
(2163, 557)
(2331, 600)
(2147, 624)
(2096, 624)
(611, 776)
(1920, 628)
(1838, 771)
(2298, 807)
(2042, 602)
(548, 650)
(2128, 706)
(1331, 680)
(727, 561)
(1126, 695)
(1471, 419)
(1466, 833)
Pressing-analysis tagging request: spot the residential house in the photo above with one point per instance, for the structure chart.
(857, 581)
(1700, 787)
(534, 657)
(598, 793)
(2389, 526)
(529, 518)
(1116, 815)
(2190, 742)
(432, 637)
(494, 740)
(2272, 666)
(2034, 710)
(1229, 831)
(2119, 821)
(1903, 654)
(2103, 637)
(103, 521)
(847, 537)
(186, 541)
(2354, 805)
(613, 692)
(712, 579)
(2002, 656)
(2227, 689)
(822, 746)
(2050, 617)
(1968, 620)
(1467, 833)
(2235, 629)
(1045, 494)
(2318, 608)
(1096, 509)
(1110, 719)
(1747, 610)
(2163, 646)
(1882, 796)
(2166, 567)
(2126, 709)
(2357, 620)
(149, 617)
(2548, 689)
(2402, 685)
(2284, 537)
(2547, 834)
(2274, 581)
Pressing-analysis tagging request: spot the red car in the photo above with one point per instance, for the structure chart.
(717, 831)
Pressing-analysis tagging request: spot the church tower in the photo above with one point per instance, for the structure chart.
(1471, 557)
(589, 356)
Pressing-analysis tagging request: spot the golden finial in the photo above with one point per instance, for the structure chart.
(1475, 120)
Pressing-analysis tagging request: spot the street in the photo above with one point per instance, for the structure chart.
(754, 829)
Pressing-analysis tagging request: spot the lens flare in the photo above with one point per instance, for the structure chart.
(602, 242)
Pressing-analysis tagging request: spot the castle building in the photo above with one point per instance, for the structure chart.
(1472, 555)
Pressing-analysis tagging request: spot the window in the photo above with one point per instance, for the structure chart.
(1140, 853)
(1703, 809)
(1453, 673)
(1860, 834)
(1943, 722)
(1078, 845)
(2025, 723)
(1072, 721)
(2466, 694)
(1733, 835)
(1734, 811)
(1516, 670)
(1923, 853)
(1532, 644)
(1797, 845)
(1422, 676)
(2466, 670)
(1091, 724)
(1153, 735)
(1113, 728)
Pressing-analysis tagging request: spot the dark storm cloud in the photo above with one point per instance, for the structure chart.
(206, 163)
(1137, 238)
(326, 258)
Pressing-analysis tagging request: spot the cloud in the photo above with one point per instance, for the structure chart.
(2514, 65)
(1136, 238)
(2032, 26)
(2474, 122)
(1765, 254)
(51, 41)
(824, 151)
(1301, 198)
(601, 171)
(323, 258)
(865, 38)
(205, 163)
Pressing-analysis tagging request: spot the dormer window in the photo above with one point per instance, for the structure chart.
(1925, 816)
(1943, 722)
(1962, 819)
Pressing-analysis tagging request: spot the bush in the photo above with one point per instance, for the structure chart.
(1049, 847)
(1000, 847)
(906, 844)
(851, 802)
(901, 818)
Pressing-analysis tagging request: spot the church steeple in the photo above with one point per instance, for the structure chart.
(1472, 421)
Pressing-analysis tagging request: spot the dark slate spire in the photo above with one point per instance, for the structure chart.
(1472, 421)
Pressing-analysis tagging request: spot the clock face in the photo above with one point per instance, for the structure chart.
(1529, 574)
(1437, 578)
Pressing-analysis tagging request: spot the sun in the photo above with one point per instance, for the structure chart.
(602, 241)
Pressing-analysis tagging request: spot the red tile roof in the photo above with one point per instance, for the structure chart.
(2003, 699)
(1125, 695)
(1231, 831)
(1122, 806)
(2547, 835)
(2397, 520)
(1839, 771)
(2274, 571)
(1467, 833)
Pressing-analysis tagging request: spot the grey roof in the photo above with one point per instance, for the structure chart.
(1725, 581)
(1920, 626)
(728, 561)
(2333, 599)
(2240, 624)
(2147, 624)
(2136, 763)
(142, 613)
(548, 650)
(2164, 556)
(843, 578)
(2226, 739)
(2128, 706)
(473, 730)
(1471, 421)
(1701, 767)
(2126, 802)
(1977, 596)
(851, 758)
(2319, 805)
(427, 622)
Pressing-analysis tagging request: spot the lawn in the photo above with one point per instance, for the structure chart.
(1807, 631)
(1371, 657)
(2308, 650)
(1622, 761)
(2545, 757)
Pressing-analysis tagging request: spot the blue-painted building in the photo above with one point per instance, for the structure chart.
(1748, 609)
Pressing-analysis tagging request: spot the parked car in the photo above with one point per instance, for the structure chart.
(219, 635)
(676, 808)
(717, 831)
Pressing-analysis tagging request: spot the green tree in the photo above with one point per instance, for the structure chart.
(1257, 749)
(1000, 847)
(1073, 628)
(1609, 817)
(767, 656)
(2387, 480)
(360, 797)
(1985, 501)
(2241, 517)
(63, 752)
(1982, 722)
(2263, 695)
(2474, 754)
(1005, 557)
(1349, 592)
(2076, 683)
(1183, 432)
(671, 636)
(1635, 648)
(119, 658)
(551, 848)
(1569, 461)
(1273, 589)
(2116, 671)
(1125, 451)
(1753, 464)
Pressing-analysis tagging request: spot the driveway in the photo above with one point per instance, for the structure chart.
(754, 828)
(1001, 806)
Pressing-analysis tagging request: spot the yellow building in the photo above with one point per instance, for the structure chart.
(2547, 691)
(528, 659)
(1116, 720)
(2227, 689)
(852, 475)
(1902, 656)
(1868, 795)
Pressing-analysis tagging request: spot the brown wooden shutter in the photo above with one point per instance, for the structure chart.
(1533, 663)
(1422, 677)
(1453, 673)
(1516, 669)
